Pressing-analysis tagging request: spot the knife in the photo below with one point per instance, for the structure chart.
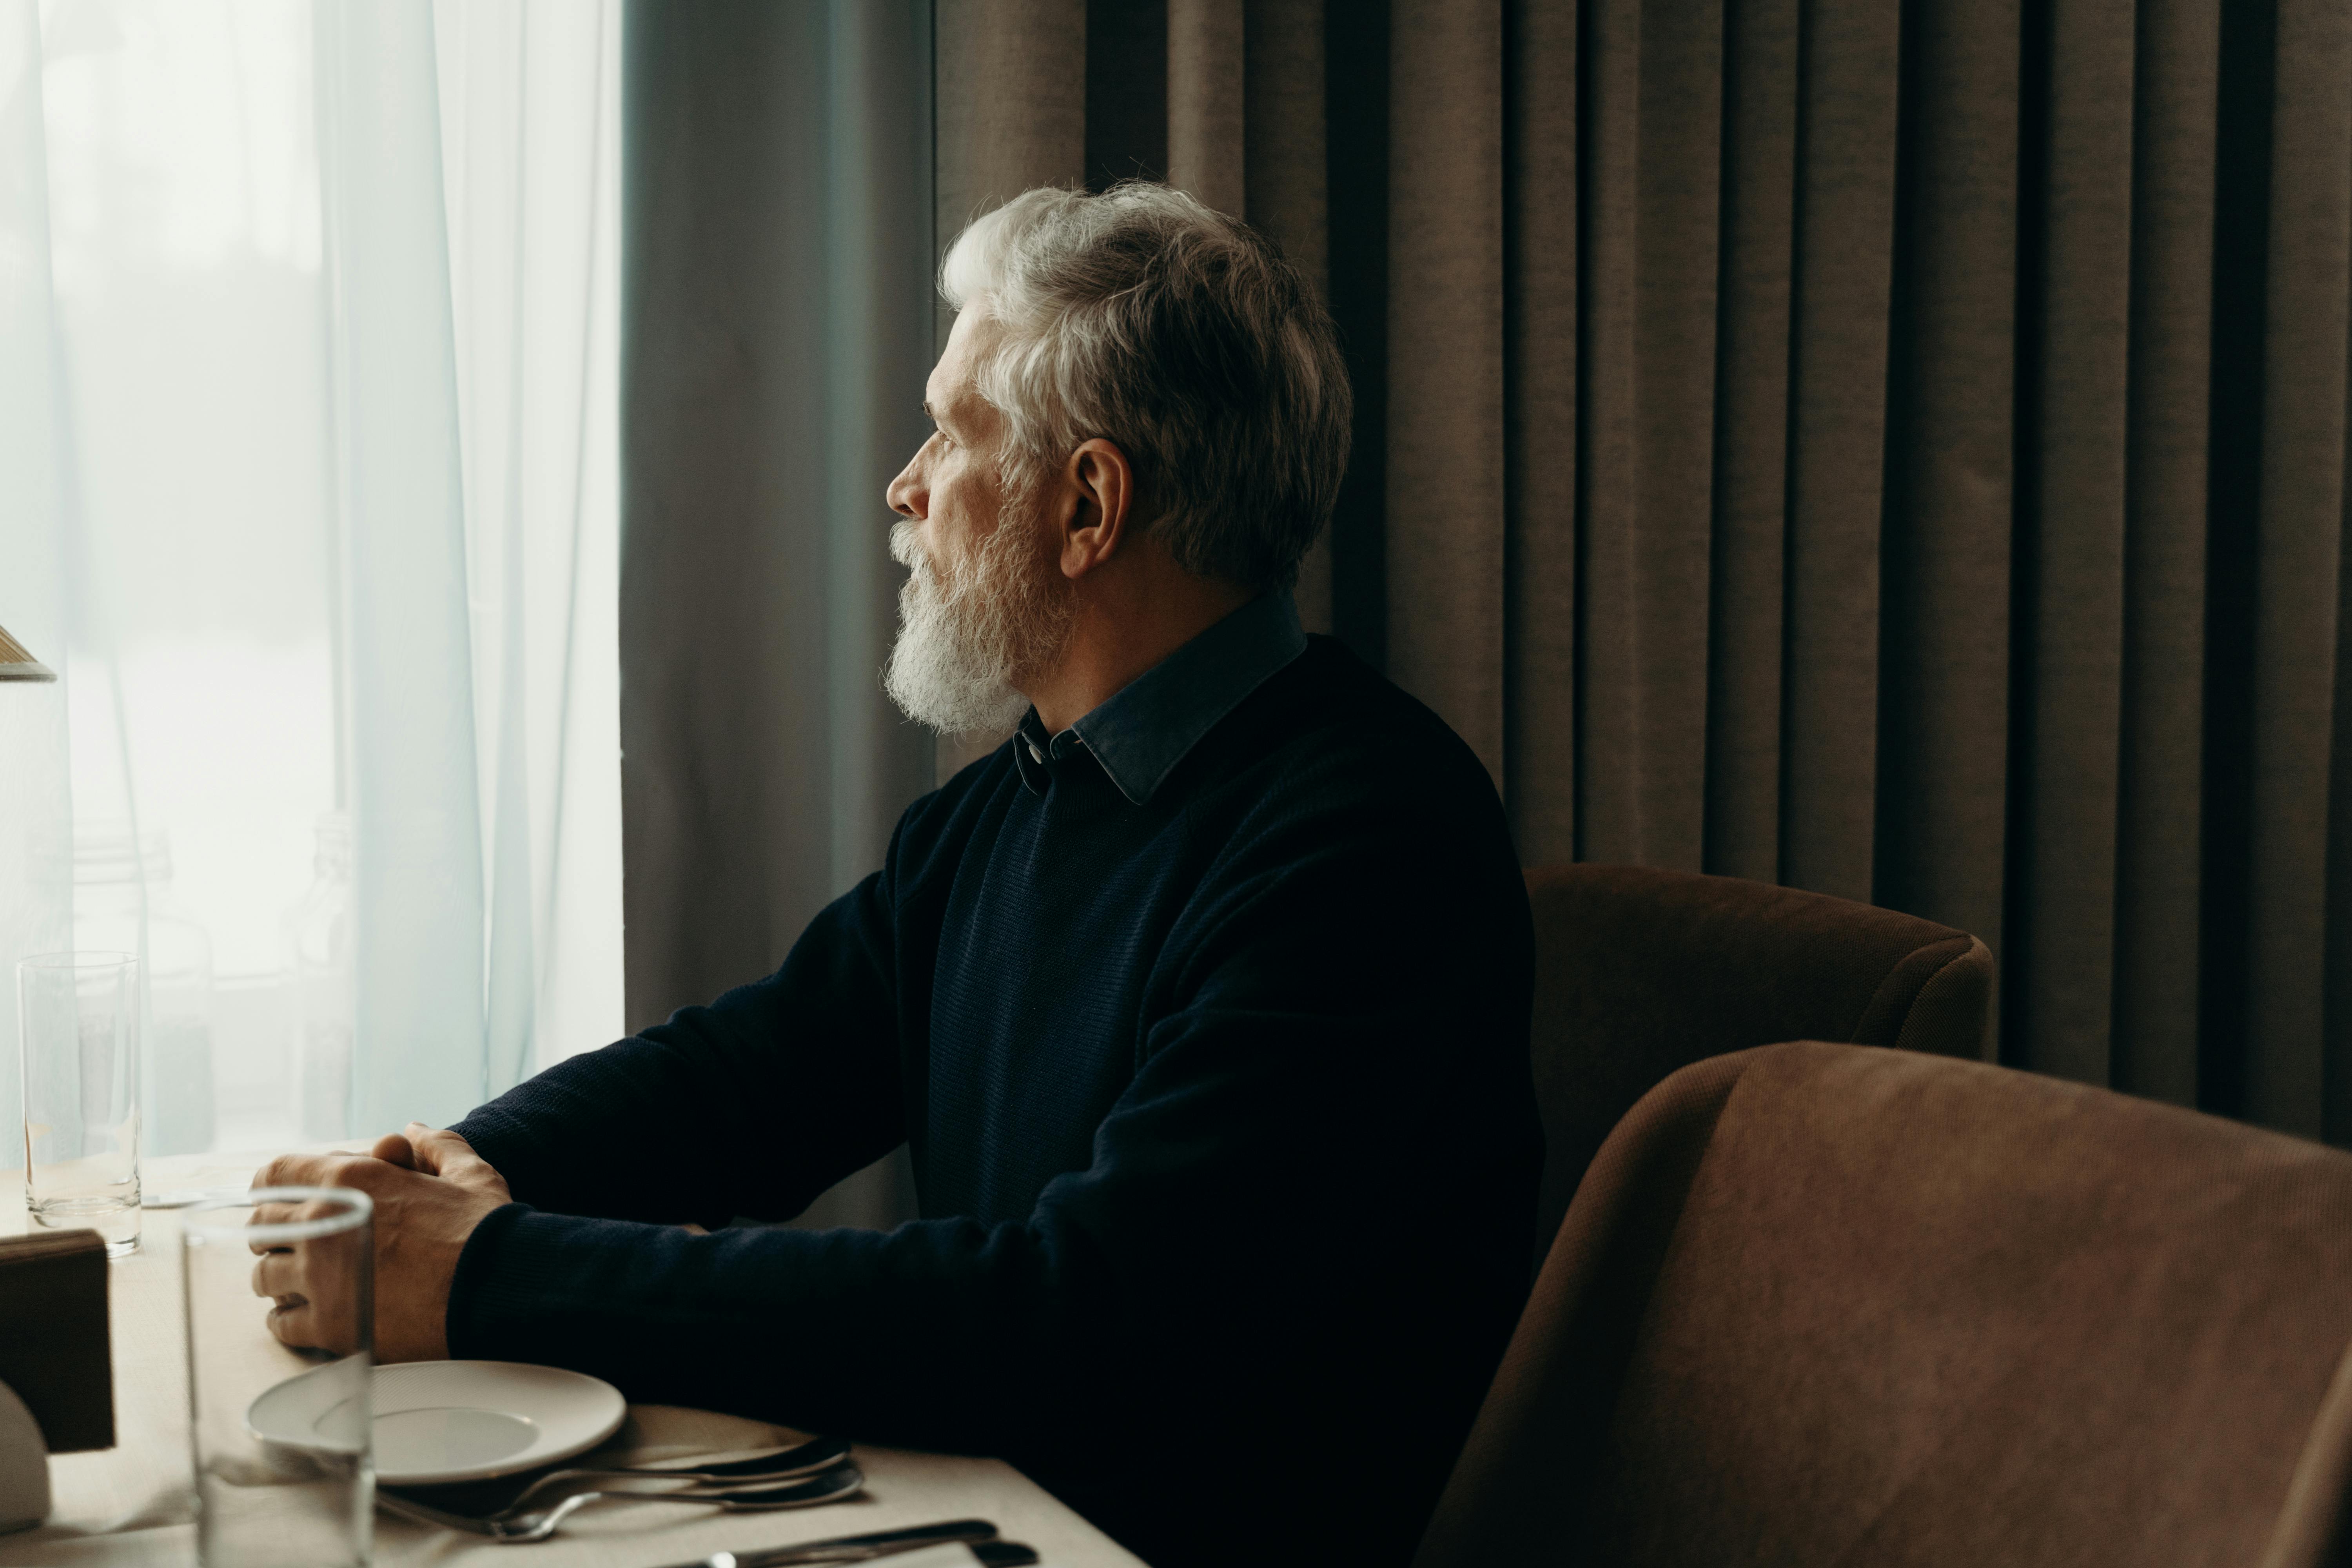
(850, 1548)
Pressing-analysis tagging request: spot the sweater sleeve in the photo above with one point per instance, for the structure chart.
(1329, 1126)
(749, 1107)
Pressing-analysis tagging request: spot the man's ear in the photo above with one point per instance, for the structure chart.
(1099, 503)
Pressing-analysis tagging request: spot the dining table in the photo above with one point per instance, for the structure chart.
(134, 1503)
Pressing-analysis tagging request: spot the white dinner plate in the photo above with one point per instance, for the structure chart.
(438, 1421)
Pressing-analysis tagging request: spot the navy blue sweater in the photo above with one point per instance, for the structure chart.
(1219, 1108)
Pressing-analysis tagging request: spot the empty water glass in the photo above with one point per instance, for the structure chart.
(78, 1016)
(283, 1438)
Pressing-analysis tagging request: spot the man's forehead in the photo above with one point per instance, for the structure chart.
(952, 388)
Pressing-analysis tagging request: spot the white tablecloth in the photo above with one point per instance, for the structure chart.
(130, 1504)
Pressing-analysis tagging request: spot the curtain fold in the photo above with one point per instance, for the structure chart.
(1283, 139)
(2152, 1036)
(1895, 450)
(2298, 521)
(778, 325)
(778, 329)
(408, 658)
(2074, 446)
(1944, 524)
(1445, 405)
(530, 165)
(1843, 278)
(1754, 315)
(1648, 297)
(1208, 89)
(1540, 456)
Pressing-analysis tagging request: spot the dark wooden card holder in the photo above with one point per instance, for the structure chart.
(54, 1349)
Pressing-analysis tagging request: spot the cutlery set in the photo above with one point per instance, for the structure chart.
(807, 1475)
(810, 1458)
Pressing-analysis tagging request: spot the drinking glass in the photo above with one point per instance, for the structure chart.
(284, 1462)
(78, 1045)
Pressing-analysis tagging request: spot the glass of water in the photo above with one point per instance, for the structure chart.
(78, 1016)
(282, 1437)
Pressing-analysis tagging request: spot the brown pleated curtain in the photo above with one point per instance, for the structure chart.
(1890, 448)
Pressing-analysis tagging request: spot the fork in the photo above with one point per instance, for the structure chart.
(804, 1460)
(844, 1480)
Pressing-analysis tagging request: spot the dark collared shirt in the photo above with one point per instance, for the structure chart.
(1140, 734)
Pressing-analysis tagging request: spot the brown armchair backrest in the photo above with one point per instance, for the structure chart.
(1823, 1304)
(1640, 972)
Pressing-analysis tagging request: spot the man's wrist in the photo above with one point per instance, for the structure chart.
(475, 1275)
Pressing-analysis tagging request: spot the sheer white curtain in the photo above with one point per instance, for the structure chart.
(307, 489)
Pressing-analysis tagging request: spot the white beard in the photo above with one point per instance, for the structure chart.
(961, 646)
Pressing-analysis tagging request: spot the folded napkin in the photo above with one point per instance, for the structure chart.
(53, 1338)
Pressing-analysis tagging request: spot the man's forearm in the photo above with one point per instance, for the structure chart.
(751, 1106)
(597, 1135)
(656, 1129)
(939, 1334)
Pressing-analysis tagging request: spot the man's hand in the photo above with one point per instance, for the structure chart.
(430, 1191)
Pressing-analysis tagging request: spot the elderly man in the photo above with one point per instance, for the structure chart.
(1202, 1003)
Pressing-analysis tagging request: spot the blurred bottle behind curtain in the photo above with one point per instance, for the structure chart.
(310, 494)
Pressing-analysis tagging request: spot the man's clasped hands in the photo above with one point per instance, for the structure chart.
(430, 1190)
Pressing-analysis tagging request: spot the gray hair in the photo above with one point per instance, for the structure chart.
(1143, 317)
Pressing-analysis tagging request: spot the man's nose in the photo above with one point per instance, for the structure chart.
(904, 493)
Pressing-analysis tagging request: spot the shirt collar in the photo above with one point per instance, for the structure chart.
(1155, 720)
